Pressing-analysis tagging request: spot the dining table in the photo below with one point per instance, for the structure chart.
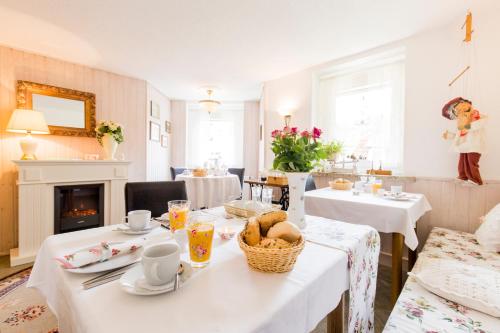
(396, 216)
(211, 190)
(225, 296)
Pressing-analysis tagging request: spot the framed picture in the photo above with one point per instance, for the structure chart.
(168, 127)
(164, 139)
(154, 131)
(155, 110)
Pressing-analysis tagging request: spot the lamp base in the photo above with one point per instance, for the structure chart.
(28, 157)
(28, 146)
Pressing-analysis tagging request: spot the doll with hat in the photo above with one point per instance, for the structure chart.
(469, 140)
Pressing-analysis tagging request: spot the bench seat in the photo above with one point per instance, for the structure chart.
(418, 310)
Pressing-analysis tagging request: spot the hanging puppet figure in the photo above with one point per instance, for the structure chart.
(469, 139)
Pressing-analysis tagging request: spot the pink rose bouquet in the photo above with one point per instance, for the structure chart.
(296, 151)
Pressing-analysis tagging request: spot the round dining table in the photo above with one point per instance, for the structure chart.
(211, 191)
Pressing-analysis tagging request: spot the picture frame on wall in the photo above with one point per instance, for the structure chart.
(168, 127)
(154, 131)
(164, 139)
(154, 110)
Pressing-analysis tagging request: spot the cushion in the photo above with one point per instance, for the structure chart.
(472, 286)
(488, 233)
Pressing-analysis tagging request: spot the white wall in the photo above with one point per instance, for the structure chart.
(158, 157)
(179, 127)
(432, 60)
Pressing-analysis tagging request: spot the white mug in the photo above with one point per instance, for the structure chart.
(396, 189)
(138, 219)
(160, 263)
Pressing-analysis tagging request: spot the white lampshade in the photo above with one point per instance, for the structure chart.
(27, 121)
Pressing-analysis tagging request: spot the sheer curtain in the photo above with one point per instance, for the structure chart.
(220, 133)
(364, 109)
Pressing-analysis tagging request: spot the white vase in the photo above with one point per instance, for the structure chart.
(297, 187)
(109, 145)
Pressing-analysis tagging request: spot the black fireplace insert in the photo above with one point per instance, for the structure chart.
(78, 207)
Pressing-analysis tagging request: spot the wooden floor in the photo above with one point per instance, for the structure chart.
(383, 305)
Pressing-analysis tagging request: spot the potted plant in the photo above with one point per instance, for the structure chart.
(332, 149)
(296, 154)
(109, 134)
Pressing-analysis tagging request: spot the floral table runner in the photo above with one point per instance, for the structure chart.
(362, 245)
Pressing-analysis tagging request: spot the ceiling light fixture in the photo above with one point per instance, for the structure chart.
(209, 105)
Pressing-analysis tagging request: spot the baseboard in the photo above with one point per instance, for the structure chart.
(16, 259)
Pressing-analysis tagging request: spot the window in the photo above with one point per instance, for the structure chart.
(363, 108)
(217, 135)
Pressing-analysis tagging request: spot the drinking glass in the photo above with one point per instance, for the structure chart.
(267, 196)
(200, 232)
(376, 185)
(178, 213)
(256, 193)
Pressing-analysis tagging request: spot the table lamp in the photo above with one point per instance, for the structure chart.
(29, 122)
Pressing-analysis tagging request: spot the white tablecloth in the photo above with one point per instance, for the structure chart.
(211, 191)
(227, 296)
(382, 214)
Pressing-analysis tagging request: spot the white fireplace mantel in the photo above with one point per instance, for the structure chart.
(36, 182)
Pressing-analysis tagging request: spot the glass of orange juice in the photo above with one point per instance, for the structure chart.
(377, 185)
(178, 211)
(200, 232)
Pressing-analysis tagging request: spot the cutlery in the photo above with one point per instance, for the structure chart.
(108, 274)
(101, 282)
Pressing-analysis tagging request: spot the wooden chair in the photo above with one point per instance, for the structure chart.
(153, 196)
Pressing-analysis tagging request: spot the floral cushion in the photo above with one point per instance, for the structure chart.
(418, 310)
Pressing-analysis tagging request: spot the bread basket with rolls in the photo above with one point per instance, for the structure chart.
(271, 243)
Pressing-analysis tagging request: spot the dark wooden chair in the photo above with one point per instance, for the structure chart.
(153, 196)
(310, 184)
(176, 171)
(240, 172)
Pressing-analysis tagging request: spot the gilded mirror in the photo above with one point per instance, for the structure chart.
(67, 112)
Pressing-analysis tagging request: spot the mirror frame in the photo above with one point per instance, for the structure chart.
(26, 89)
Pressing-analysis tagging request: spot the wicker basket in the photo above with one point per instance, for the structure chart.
(347, 186)
(277, 180)
(238, 211)
(271, 260)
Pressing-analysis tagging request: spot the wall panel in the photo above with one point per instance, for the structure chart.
(118, 98)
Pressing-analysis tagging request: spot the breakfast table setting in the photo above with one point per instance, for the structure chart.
(109, 280)
(393, 211)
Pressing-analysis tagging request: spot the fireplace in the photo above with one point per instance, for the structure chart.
(78, 207)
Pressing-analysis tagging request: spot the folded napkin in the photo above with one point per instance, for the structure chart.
(100, 253)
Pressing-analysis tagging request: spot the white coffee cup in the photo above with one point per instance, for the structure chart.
(160, 263)
(138, 219)
(396, 189)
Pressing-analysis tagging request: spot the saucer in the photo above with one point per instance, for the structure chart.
(133, 281)
(126, 229)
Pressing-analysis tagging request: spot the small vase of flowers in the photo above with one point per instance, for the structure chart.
(109, 134)
(296, 153)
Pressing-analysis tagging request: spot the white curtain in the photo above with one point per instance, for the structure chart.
(220, 133)
(364, 109)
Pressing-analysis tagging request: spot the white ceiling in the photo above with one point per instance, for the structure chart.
(235, 45)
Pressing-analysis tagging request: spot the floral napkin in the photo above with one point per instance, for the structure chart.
(99, 253)
(362, 245)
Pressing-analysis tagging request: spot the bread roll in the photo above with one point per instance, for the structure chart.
(251, 235)
(284, 230)
(267, 220)
(270, 243)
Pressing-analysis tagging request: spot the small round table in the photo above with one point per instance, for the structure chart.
(211, 191)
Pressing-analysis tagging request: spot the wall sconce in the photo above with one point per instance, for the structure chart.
(288, 119)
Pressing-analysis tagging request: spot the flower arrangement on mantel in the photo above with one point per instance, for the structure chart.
(296, 151)
(111, 128)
